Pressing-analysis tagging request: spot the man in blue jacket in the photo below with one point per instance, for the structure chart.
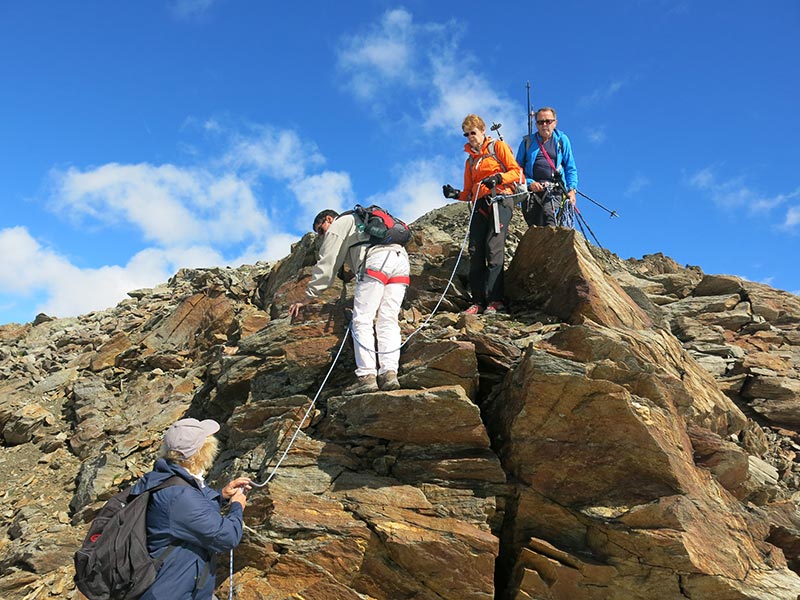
(184, 524)
(545, 157)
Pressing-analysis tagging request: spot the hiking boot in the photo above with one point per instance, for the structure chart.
(388, 381)
(495, 307)
(475, 309)
(363, 385)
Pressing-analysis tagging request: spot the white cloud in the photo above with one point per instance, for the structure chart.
(267, 152)
(461, 91)
(25, 262)
(381, 56)
(792, 217)
(735, 193)
(703, 179)
(186, 9)
(397, 54)
(272, 247)
(637, 185)
(170, 205)
(601, 94)
(768, 203)
(418, 189)
(329, 189)
(597, 135)
(187, 216)
(29, 268)
(211, 125)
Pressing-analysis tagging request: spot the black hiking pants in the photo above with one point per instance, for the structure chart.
(487, 252)
(540, 209)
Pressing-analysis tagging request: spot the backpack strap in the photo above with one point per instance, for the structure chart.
(528, 142)
(174, 480)
(493, 154)
(162, 557)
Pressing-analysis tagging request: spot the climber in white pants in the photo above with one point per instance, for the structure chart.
(379, 292)
(383, 275)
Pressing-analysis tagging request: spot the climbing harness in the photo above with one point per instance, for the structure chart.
(553, 192)
(493, 200)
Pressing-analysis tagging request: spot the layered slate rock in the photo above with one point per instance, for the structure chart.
(627, 431)
(610, 503)
(403, 484)
(555, 270)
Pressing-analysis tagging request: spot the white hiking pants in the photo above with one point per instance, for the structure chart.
(376, 306)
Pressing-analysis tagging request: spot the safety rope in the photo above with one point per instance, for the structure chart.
(350, 331)
(289, 446)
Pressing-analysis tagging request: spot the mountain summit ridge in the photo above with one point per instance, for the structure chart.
(629, 430)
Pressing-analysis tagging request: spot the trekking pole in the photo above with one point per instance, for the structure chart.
(582, 222)
(560, 181)
(530, 116)
(612, 213)
(495, 210)
(496, 127)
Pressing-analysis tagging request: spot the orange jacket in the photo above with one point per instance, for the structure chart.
(480, 165)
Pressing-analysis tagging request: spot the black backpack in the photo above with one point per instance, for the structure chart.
(113, 563)
(383, 228)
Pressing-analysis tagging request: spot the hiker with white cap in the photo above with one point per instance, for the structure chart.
(184, 524)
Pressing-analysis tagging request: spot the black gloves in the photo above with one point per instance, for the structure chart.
(450, 192)
(492, 180)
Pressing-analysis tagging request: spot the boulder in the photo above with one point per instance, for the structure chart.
(553, 269)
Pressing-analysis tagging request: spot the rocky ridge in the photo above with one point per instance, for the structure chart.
(628, 431)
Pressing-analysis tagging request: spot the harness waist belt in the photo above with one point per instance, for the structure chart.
(386, 280)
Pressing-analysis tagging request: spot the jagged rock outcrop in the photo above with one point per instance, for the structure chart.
(628, 431)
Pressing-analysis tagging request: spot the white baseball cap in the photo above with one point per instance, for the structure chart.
(187, 436)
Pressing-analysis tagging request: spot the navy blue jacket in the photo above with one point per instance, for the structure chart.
(188, 517)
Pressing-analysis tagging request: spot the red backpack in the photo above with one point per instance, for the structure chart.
(383, 228)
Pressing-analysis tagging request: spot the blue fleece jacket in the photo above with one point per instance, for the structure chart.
(565, 161)
(188, 517)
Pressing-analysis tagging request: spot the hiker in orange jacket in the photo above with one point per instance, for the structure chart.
(490, 167)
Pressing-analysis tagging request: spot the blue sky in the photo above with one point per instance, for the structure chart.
(142, 137)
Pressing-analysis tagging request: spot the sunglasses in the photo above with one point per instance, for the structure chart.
(469, 133)
(545, 121)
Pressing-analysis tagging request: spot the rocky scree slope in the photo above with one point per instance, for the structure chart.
(628, 431)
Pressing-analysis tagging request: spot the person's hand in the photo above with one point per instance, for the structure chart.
(572, 198)
(492, 180)
(240, 498)
(294, 309)
(450, 192)
(535, 186)
(238, 484)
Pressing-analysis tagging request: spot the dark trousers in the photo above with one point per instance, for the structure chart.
(540, 209)
(487, 253)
